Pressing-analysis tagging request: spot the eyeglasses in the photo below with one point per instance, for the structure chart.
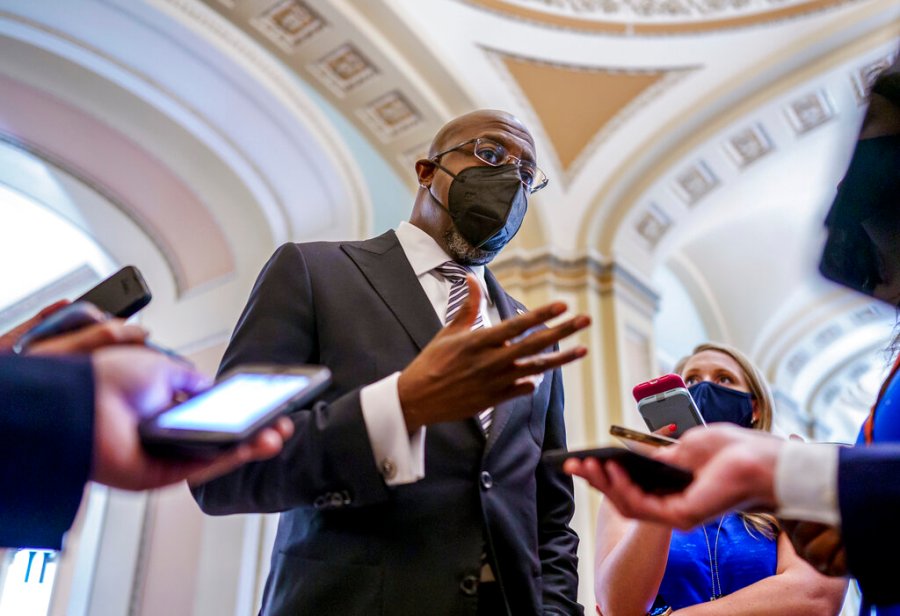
(494, 154)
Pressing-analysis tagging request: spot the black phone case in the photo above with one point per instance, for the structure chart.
(122, 294)
(650, 475)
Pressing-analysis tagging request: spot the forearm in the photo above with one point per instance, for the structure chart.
(627, 579)
(785, 594)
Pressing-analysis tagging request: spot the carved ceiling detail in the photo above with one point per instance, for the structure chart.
(653, 16)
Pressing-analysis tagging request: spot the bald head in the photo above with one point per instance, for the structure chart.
(472, 124)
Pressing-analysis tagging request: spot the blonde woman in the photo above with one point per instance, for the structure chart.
(737, 564)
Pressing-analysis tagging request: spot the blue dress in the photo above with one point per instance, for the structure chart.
(885, 429)
(740, 559)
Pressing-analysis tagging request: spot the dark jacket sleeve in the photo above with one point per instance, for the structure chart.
(46, 440)
(869, 499)
(558, 542)
(330, 456)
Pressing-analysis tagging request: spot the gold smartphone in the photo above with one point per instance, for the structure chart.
(653, 440)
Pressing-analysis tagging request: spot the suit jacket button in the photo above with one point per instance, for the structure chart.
(487, 482)
(388, 469)
(337, 500)
(469, 585)
(321, 501)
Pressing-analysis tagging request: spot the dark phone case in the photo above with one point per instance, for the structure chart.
(657, 386)
(650, 475)
(122, 294)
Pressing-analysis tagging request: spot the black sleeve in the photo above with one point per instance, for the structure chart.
(869, 499)
(46, 444)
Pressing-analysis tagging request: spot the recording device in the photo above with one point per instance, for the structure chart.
(66, 319)
(665, 401)
(121, 295)
(240, 404)
(652, 476)
(627, 435)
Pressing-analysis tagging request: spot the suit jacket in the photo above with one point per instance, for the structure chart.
(346, 542)
(869, 499)
(46, 441)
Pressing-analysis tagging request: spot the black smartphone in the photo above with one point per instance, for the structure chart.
(650, 475)
(66, 319)
(122, 294)
(240, 404)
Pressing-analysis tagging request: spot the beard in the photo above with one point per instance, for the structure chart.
(463, 252)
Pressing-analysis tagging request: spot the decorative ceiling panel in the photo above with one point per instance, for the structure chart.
(654, 17)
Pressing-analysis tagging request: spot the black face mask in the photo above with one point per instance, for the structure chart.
(486, 204)
(718, 403)
(863, 246)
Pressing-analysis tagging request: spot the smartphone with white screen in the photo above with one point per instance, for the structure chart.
(673, 406)
(240, 404)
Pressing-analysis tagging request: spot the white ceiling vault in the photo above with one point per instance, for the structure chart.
(696, 141)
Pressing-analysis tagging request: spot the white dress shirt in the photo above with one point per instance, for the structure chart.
(399, 455)
(806, 482)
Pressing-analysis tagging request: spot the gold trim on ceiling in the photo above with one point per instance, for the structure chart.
(577, 106)
(602, 26)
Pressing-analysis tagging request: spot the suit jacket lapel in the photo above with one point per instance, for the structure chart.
(503, 411)
(384, 264)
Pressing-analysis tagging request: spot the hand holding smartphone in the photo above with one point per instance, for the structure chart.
(240, 404)
(652, 476)
(120, 295)
(665, 401)
(67, 319)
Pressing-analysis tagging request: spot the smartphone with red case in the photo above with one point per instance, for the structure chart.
(666, 401)
(657, 386)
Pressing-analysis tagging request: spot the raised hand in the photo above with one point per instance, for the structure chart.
(463, 371)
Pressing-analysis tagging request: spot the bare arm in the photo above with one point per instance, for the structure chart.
(630, 561)
(795, 590)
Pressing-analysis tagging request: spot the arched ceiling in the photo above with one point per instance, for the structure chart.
(702, 137)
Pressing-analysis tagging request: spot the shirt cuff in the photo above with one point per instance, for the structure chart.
(806, 482)
(399, 456)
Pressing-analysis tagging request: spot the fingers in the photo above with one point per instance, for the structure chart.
(511, 328)
(9, 339)
(545, 338)
(542, 362)
(90, 338)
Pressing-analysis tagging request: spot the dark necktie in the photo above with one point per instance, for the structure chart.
(455, 274)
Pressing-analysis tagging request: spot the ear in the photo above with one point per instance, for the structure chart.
(754, 417)
(425, 172)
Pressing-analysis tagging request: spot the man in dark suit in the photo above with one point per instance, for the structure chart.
(66, 420)
(415, 486)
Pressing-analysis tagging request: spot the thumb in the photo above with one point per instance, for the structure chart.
(469, 310)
